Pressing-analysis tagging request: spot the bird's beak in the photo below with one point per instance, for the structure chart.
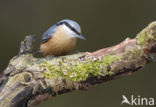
(81, 37)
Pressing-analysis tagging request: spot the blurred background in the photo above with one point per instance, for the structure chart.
(104, 23)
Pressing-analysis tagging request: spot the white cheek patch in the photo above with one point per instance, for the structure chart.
(68, 31)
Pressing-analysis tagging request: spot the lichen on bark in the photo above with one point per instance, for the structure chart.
(79, 70)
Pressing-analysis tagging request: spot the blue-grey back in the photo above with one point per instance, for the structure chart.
(49, 33)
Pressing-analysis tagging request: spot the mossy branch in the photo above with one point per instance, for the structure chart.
(28, 80)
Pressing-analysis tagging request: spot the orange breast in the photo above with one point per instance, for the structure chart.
(60, 44)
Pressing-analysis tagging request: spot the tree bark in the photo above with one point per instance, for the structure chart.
(29, 80)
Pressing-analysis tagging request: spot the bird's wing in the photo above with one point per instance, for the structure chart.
(49, 33)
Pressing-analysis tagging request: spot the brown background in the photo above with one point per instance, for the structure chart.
(103, 22)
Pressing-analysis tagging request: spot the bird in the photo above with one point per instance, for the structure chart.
(60, 38)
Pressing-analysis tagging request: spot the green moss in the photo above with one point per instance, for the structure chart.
(133, 53)
(78, 70)
(141, 38)
(148, 35)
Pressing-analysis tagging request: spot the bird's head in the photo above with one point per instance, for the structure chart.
(71, 27)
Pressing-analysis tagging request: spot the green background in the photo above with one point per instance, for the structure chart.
(104, 23)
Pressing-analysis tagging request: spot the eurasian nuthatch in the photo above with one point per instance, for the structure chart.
(61, 38)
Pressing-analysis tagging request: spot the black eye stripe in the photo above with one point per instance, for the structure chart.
(73, 29)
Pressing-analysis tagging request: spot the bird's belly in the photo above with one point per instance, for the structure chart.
(58, 47)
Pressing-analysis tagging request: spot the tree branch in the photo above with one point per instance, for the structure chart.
(28, 80)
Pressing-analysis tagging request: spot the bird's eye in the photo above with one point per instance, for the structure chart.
(73, 29)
